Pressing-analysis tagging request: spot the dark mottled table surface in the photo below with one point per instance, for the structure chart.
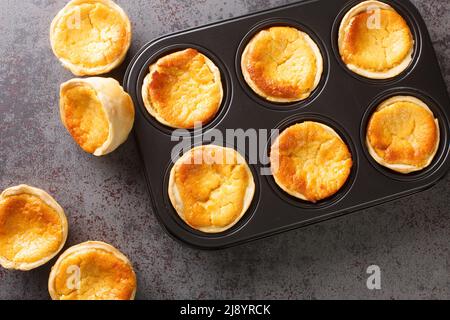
(106, 198)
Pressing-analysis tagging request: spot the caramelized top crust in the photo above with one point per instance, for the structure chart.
(376, 44)
(211, 188)
(182, 89)
(403, 134)
(282, 64)
(85, 117)
(310, 161)
(92, 271)
(91, 37)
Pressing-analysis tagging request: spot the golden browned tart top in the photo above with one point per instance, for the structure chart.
(282, 64)
(310, 161)
(211, 188)
(92, 271)
(375, 41)
(403, 134)
(183, 89)
(91, 37)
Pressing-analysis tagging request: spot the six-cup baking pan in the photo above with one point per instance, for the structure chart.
(343, 101)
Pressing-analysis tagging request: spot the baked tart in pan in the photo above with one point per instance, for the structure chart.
(375, 41)
(403, 134)
(183, 89)
(310, 161)
(211, 188)
(282, 64)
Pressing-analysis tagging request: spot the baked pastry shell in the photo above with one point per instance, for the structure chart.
(389, 74)
(249, 81)
(117, 105)
(79, 70)
(85, 247)
(51, 202)
(403, 168)
(146, 83)
(177, 202)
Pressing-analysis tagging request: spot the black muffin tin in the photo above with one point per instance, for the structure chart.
(343, 100)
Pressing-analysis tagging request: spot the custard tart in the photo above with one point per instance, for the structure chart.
(90, 37)
(403, 134)
(33, 228)
(282, 64)
(97, 112)
(183, 89)
(310, 161)
(375, 41)
(92, 271)
(211, 188)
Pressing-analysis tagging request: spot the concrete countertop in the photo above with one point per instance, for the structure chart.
(106, 198)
